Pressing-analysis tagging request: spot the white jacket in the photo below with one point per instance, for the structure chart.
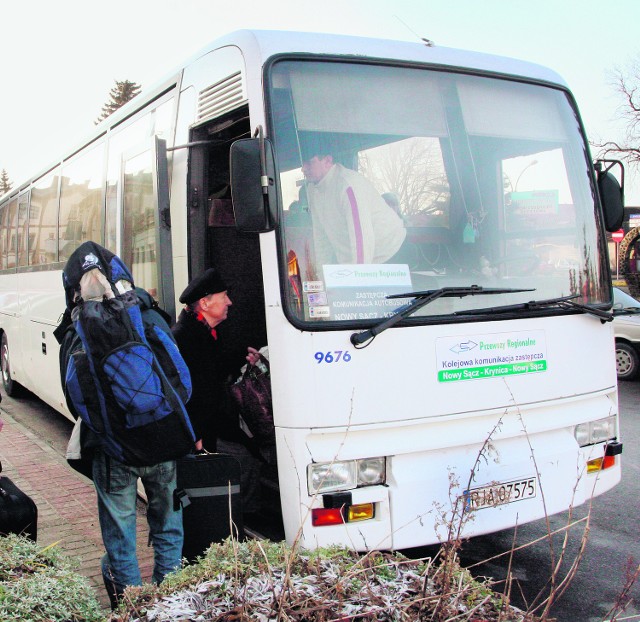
(352, 223)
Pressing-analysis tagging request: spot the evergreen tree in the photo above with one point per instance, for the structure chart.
(119, 95)
(5, 184)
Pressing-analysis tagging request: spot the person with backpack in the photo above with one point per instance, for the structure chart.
(211, 410)
(124, 377)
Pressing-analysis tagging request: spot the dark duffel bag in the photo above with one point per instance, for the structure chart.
(18, 512)
(209, 492)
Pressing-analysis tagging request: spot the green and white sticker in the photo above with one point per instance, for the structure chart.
(475, 357)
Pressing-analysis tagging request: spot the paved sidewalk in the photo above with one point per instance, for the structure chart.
(66, 501)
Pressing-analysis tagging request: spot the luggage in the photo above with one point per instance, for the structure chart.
(208, 487)
(252, 394)
(18, 512)
(122, 372)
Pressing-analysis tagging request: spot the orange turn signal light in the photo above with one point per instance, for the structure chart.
(600, 464)
(362, 511)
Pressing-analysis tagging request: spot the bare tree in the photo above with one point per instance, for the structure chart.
(627, 84)
(412, 170)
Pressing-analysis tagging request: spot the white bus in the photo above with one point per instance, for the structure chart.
(473, 382)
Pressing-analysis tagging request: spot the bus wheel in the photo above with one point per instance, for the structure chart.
(11, 387)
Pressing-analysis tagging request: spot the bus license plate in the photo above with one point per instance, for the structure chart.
(500, 494)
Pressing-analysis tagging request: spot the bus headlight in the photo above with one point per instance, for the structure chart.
(371, 471)
(345, 474)
(597, 431)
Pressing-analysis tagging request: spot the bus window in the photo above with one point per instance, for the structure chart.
(398, 171)
(119, 143)
(6, 219)
(23, 230)
(163, 119)
(12, 239)
(81, 200)
(4, 209)
(139, 246)
(44, 202)
(539, 214)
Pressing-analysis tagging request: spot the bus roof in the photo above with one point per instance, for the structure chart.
(267, 43)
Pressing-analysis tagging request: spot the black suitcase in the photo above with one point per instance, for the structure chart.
(208, 487)
(18, 512)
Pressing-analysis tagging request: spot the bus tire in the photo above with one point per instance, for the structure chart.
(627, 361)
(11, 387)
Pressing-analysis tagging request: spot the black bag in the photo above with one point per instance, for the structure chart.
(18, 511)
(208, 487)
(252, 394)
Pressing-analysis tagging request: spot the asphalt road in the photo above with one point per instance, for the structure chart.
(612, 546)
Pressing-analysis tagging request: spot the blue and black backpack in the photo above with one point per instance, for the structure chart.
(122, 371)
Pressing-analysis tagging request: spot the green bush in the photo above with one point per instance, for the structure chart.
(42, 585)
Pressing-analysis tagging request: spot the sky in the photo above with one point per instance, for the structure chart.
(60, 58)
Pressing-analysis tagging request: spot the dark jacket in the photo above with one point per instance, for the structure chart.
(210, 408)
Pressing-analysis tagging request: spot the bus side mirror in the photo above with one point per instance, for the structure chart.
(611, 196)
(252, 185)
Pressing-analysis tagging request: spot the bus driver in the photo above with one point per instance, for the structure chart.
(352, 223)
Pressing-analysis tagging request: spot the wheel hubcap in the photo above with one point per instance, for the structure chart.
(4, 363)
(623, 362)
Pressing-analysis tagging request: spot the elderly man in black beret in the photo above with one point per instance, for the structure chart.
(207, 304)
(212, 415)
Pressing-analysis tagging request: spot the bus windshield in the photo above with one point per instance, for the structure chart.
(402, 179)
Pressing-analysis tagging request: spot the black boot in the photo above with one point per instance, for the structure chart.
(114, 591)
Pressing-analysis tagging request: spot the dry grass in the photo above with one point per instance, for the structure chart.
(266, 581)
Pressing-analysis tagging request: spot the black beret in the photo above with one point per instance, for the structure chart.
(210, 282)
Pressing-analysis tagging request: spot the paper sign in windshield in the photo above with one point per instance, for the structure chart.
(536, 202)
(495, 355)
(357, 292)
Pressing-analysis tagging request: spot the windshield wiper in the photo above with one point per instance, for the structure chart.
(564, 302)
(625, 311)
(420, 299)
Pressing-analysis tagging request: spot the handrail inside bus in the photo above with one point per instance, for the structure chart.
(196, 143)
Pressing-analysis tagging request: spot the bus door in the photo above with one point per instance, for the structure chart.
(146, 242)
(214, 241)
(218, 81)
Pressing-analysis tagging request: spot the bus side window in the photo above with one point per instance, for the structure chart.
(4, 237)
(81, 200)
(23, 230)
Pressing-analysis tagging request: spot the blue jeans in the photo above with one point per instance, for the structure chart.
(116, 485)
